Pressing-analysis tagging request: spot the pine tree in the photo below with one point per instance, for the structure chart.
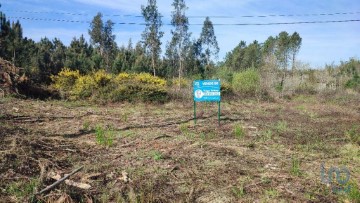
(208, 42)
(295, 45)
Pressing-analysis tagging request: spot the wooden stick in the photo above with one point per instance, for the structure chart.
(48, 188)
(161, 136)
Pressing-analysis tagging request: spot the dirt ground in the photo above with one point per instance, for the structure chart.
(262, 152)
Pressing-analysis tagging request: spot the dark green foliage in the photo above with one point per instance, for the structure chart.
(243, 56)
(282, 47)
(351, 69)
(78, 56)
(207, 46)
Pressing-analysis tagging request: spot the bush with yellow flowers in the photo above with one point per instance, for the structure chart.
(102, 78)
(65, 79)
(105, 87)
(138, 87)
(84, 87)
(183, 83)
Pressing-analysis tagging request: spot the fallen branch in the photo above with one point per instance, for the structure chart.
(162, 136)
(128, 144)
(50, 187)
(83, 186)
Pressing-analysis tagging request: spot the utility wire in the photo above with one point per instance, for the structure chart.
(219, 24)
(140, 16)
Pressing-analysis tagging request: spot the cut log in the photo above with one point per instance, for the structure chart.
(50, 187)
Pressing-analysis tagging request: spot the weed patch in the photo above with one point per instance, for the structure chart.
(281, 126)
(295, 167)
(239, 131)
(22, 189)
(354, 134)
(104, 137)
(157, 156)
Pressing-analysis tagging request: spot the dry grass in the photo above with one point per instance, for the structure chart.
(169, 159)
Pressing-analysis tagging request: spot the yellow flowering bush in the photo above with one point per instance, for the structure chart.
(122, 77)
(102, 78)
(147, 78)
(84, 87)
(65, 79)
(138, 87)
(183, 83)
(108, 87)
(226, 88)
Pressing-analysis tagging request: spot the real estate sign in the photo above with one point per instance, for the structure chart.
(206, 90)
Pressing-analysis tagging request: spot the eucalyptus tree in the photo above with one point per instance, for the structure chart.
(152, 34)
(102, 38)
(110, 47)
(180, 42)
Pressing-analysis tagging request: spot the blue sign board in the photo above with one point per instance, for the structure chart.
(206, 90)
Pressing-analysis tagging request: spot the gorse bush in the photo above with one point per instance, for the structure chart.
(105, 87)
(246, 82)
(183, 83)
(65, 80)
(102, 78)
(84, 87)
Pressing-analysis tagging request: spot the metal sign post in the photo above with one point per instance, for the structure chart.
(207, 91)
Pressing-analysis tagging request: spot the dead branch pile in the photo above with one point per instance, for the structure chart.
(14, 81)
(10, 78)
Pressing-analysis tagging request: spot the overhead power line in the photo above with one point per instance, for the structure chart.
(219, 24)
(190, 16)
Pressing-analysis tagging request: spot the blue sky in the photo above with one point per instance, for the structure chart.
(322, 43)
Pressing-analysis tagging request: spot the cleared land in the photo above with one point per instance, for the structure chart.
(262, 152)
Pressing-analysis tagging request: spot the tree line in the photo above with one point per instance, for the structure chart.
(183, 56)
(283, 48)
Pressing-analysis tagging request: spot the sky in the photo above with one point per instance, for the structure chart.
(322, 44)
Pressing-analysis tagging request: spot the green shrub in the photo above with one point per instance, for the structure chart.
(247, 82)
(225, 74)
(354, 83)
(226, 88)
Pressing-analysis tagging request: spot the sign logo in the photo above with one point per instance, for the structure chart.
(199, 94)
(342, 177)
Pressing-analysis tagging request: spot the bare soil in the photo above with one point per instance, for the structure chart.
(157, 154)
